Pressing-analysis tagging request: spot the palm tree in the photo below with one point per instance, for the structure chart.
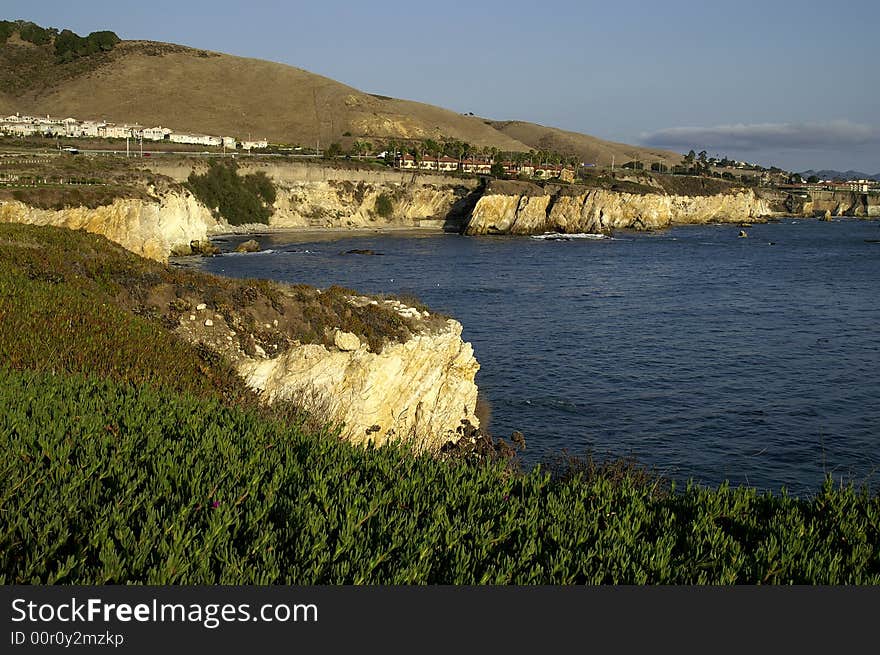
(416, 150)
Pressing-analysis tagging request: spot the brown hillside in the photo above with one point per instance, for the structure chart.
(188, 89)
(589, 148)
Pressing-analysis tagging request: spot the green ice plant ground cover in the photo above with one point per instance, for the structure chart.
(105, 481)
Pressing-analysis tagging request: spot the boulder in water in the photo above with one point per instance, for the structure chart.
(205, 248)
(252, 245)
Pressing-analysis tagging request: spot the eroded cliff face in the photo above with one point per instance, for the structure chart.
(152, 229)
(343, 203)
(316, 196)
(418, 391)
(841, 203)
(600, 210)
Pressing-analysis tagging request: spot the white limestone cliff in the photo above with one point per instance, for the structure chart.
(598, 210)
(151, 228)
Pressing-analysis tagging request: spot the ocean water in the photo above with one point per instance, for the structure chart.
(703, 355)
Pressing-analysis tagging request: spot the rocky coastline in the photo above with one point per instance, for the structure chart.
(419, 388)
(315, 199)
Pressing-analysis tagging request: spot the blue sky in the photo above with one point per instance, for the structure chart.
(792, 84)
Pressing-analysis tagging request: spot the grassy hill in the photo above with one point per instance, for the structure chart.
(589, 148)
(189, 89)
(196, 90)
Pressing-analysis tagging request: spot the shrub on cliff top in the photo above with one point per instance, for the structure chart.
(236, 198)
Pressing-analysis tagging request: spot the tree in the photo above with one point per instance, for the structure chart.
(69, 45)
(813, 179)
(689, 160)
(432, 148)
(33, 33)
(498, 170)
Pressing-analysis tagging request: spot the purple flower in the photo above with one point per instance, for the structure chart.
(215, 504)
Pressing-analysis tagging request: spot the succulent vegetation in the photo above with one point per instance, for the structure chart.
(92, 306)
(107, 482)
(132, 457)
(66, 306)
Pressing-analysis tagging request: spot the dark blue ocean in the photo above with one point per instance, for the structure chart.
(703, 355)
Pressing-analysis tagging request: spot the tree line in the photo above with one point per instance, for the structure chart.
(68, 45)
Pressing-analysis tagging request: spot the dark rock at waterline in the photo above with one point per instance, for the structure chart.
(362, 251)
(205, 248)
(252, 245)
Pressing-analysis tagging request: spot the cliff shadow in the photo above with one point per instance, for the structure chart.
(459, 214)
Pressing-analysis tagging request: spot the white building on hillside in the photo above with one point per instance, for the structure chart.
(91, 128)
(24, 129)
(195, 139)
(251, 145)
(155, 133)
(112, 131)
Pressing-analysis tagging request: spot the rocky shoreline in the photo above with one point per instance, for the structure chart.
(315, 202)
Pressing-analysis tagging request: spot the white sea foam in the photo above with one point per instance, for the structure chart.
(259, 252)
(555, 236)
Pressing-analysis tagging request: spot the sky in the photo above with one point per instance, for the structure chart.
(788, 84)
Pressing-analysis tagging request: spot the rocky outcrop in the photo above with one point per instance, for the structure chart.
(419, 391)
(574, 210)
(153, 229)
(341, 203)
(251, 245)
(841, 203)
(320, 196)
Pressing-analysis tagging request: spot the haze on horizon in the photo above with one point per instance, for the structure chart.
(788, 84)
